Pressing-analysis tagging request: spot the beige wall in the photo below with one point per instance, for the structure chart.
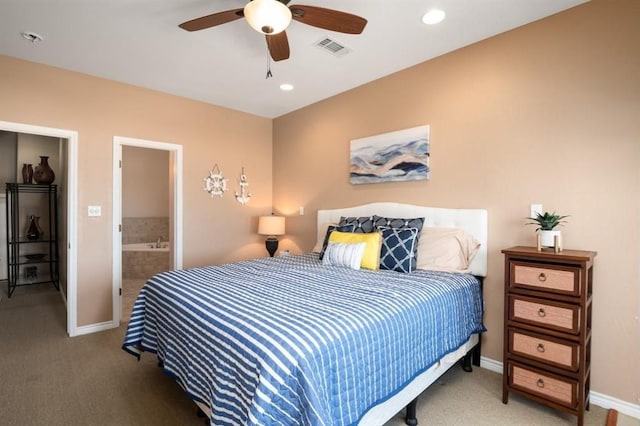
(8, 149)
(548, 113)
(215, 230)
(145, 182)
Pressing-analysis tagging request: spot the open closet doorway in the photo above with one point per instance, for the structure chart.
(62, 145)
(147, 214)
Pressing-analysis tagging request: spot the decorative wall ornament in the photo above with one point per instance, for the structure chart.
(244, 196)
(215, 184)
(391, 157)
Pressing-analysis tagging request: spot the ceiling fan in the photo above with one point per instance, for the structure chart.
(272, 17)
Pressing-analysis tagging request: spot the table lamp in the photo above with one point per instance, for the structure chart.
(271, 226)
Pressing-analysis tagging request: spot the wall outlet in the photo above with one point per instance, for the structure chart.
(535, 209)
(301, 210)
(94, 211)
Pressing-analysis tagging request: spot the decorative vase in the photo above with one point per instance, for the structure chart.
(43, 173)
(547, 238)
(27, 173)
(33, 231)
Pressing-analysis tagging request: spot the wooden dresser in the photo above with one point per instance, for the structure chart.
(547, 327)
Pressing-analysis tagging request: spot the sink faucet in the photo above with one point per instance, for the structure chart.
(159, 241)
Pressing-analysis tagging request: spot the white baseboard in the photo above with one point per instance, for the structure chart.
(94, 328)
(596, 398)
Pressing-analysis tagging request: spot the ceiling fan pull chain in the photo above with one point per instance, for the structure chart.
(268, 66)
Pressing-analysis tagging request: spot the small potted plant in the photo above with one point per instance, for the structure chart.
(546, 225)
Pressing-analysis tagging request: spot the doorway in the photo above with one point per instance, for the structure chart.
(175, 211)
(69, 157)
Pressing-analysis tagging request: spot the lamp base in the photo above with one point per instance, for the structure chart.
(272, 245)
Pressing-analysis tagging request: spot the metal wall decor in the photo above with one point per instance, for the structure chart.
(244, 196)
(215, 184)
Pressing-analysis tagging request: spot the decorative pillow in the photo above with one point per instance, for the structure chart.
(363, 225)
(322, 232)
(330, 229)
(398, 252)
(371, 256)
(446, 249)
(344, 254)
(396, 222)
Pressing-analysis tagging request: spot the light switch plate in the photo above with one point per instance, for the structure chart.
(94, 211)
(535, 209)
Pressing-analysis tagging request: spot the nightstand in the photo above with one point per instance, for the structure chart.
(547, 327)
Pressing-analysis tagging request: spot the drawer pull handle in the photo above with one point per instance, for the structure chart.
(540, 383)
(541, 312)
(542, 277)
(540, 348)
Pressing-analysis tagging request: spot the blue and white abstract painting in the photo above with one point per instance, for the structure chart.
(391, 157)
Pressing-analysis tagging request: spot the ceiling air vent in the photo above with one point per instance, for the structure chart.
(332, 46)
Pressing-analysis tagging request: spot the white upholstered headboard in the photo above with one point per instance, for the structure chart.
(473, 221)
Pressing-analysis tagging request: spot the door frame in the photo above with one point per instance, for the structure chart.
(175, 160)
(71, 136)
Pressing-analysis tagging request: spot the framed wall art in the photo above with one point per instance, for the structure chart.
(397, 156)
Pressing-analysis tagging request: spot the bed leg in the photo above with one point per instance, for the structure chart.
(471, 357)
(411, 418)
(466, 362)
(203, 415)
(477, 351)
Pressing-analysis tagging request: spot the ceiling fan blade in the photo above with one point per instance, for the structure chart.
(329, 19)
(212, 20)
(278, 45)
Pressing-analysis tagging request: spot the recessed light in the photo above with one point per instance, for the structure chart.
(31, 36)
(286, 87)
(434, 16)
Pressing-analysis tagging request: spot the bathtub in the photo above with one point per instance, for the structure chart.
(143, 260)
(164, 246)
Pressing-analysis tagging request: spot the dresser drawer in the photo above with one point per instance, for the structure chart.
(557, 316)
(552, 278)
(543, 384)
(544, 349)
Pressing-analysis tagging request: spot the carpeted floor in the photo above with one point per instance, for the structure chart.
(47, 378)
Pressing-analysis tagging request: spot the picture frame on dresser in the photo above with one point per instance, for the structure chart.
(548, 303)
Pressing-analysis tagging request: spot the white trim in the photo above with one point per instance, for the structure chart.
(596, 398)
(72, 207)
(176, 239)
(624, 407)
(491, 365)
(94, 328)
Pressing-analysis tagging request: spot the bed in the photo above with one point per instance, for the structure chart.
(291, 340)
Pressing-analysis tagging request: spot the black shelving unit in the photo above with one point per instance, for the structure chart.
(32, 261)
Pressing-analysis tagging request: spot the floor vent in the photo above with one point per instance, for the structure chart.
(332, 46)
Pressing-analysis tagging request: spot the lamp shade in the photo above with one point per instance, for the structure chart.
(267, 16)
(271, 225)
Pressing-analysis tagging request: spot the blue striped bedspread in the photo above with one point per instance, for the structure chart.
(288, 341)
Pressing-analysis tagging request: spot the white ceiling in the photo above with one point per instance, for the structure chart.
(139, 42)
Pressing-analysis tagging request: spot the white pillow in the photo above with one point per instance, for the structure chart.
(344, 254)
(446, 249)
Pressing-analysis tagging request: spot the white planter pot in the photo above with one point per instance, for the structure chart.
(547, 238)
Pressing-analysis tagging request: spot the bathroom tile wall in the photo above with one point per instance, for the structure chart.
(144, 229)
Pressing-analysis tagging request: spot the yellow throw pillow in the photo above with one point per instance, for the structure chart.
(373, 240)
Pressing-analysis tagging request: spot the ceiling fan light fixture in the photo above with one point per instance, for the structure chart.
(267, 16)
